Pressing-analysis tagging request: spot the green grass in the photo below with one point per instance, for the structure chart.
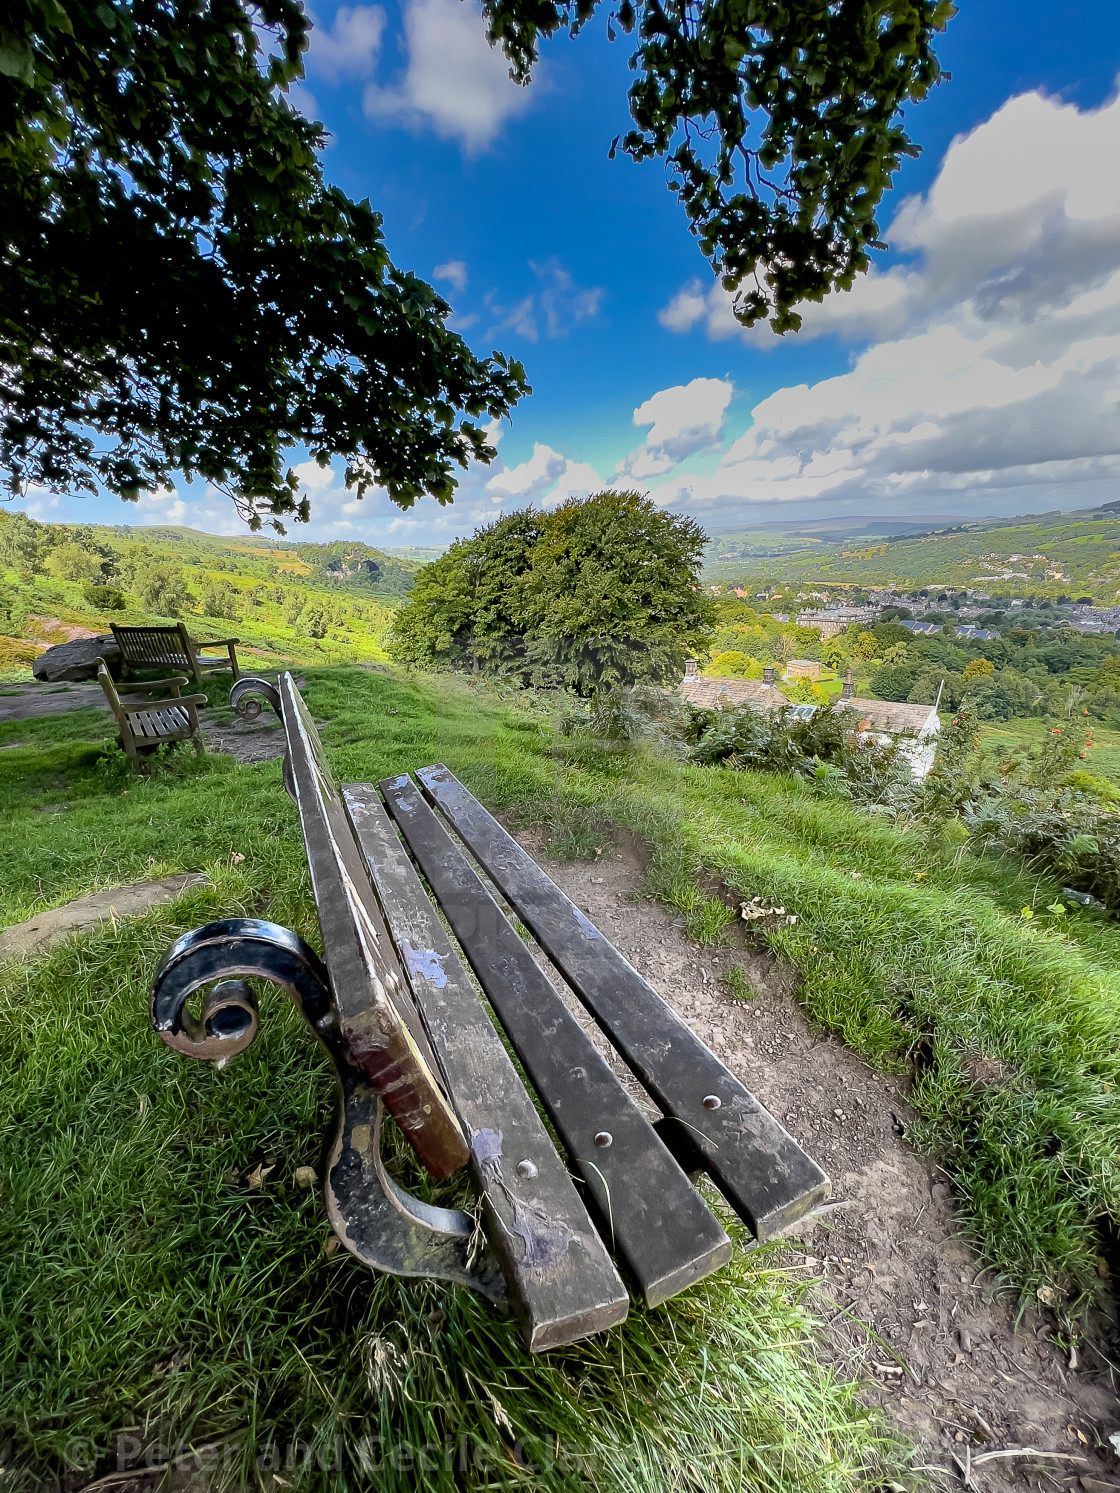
(147, 1285)
(126, 1238)
(1003, 738)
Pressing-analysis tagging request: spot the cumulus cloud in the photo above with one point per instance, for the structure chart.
(547, 477)
(994, 363)
(1020, 218)
(454, 272)
(349, 47)
(683, 420)
(455, 82)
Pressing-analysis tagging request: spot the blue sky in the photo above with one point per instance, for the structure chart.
(975, 371)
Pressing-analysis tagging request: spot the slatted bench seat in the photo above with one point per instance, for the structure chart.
(146, 722)
(172, 648)
(396, 1009)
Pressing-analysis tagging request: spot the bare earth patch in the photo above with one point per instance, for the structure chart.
(46, 928)
(907, 1305)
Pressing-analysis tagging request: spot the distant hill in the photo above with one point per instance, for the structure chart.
(1043, 554)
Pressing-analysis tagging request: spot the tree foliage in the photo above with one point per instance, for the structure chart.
(781, 124)
(182, 291)
(599, 593)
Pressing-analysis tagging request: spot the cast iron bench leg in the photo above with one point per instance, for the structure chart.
(378, 1221)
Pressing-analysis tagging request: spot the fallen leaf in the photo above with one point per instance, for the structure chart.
(306, 1176)
(259, 1173)
(236, 858)
(331, 1246)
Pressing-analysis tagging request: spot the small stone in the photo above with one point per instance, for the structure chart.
(938, 1192)
(306, 1176)
(965, 1339)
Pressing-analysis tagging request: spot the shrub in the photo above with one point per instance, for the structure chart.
(220, 599)
(103, 598)
(733, 665)
(162, 589)
(73, 562)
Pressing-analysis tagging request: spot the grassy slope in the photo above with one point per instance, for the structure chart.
(359, 615)
(123, 1241)
(1085, 550)
(129, 1238)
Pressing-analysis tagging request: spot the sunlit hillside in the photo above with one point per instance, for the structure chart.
(317, 603)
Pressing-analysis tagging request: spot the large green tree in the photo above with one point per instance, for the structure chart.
(599, 593)
(180, 290)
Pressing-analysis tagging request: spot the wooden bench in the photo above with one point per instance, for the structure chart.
(396, 1009)
(147, 723)
(172, 648)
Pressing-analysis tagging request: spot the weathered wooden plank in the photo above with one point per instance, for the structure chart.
(660, 1224)
(760, 1168)
(376, 1012)
(562, 1283)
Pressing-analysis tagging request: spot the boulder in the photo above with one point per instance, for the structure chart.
(70, 662)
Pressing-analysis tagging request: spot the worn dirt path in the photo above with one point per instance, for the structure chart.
(943, 1356)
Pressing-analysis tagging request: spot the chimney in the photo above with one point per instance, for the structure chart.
(849, 688)
(690, 668)
(768, 676)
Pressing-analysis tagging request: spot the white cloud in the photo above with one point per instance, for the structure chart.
(454, 272)
(1022, 216)
(997, 360)
(455, 81)
(350, 46)
(317, 478)
(547, 477)
(563, 302)
(683, 420)
(560, 304)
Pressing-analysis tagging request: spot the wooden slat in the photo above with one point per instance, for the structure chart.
(561, 1281)
(377, 1016)
(660, 1224)
(761, 1169)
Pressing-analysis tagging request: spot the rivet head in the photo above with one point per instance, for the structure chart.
(604, 1139)
(712, 1101)
(526, 1169)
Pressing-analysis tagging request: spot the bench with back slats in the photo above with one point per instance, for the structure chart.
(398, 1012)
(172, 647)
(148, 722)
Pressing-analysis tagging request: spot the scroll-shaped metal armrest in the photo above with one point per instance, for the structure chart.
(375, 1219)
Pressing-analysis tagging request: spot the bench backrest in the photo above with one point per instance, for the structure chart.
(377, 1014)
(105, 679)
(154, 647)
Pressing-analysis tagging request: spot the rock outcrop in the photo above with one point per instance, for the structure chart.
(70, 662)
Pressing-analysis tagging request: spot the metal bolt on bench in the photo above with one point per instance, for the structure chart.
(396, 1010)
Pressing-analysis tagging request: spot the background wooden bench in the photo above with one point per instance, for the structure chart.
(146, 723)
(396, 1009)
(172, 648)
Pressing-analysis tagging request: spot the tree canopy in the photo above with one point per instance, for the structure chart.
(780, 122)
(599, 593)
(182, 291)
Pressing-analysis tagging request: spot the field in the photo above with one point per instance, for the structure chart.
(1003, 737)
(145, 1279)
(1061, 553)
